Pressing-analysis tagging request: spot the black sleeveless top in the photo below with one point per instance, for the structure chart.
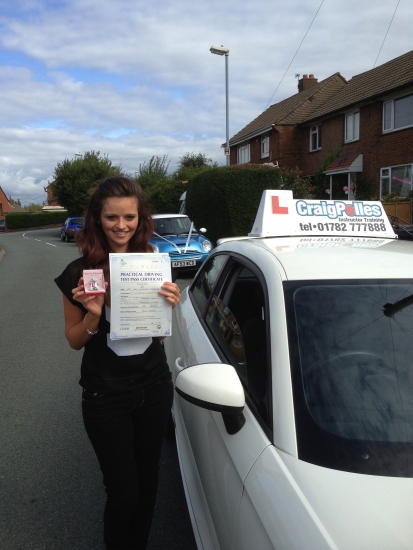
(102, 370)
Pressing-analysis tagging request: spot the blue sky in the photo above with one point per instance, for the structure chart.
(133, 79)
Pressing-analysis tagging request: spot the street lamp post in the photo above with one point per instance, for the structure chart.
(220, 50)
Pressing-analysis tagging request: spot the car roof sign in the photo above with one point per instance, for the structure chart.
(281, 215)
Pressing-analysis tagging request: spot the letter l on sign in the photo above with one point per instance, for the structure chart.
(276, 208)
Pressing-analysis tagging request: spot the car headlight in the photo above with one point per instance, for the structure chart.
(155, 248)
(206, 245)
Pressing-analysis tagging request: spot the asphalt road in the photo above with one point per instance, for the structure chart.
(51, 492)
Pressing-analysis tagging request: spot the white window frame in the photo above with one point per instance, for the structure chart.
(243, 153)
(354, 117)
(315, 131)
(391, 105)
(265, 146)
(386, 173)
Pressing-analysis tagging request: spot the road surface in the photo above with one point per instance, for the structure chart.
(51, 492)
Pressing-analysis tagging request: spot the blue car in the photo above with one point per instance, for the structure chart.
(176, 235)
(70, 228)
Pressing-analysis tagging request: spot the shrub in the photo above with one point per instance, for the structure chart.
(17, 220)
(163, 197)
(225, 200)
(321, 181)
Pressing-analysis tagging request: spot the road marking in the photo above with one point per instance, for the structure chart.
(38, 240)
(55, 245)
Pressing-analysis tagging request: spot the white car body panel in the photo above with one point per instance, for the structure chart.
(325, 508)
(249, 493)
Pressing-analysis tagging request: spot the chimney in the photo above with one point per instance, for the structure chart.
(306, 82)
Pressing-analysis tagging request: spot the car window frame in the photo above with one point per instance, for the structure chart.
(227, 269)
(192, 298)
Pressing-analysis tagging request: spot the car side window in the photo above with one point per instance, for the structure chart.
(206, 278)
(237, 319)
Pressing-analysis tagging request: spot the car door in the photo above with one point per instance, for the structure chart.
(224, 321)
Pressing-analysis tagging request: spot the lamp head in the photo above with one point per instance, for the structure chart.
(219, 50)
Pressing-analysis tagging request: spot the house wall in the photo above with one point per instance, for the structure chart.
(51, 200)
(4, 204)
(379, 150)
(284, 147)
(290, 145)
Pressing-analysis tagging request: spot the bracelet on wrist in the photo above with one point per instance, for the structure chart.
(87, 330)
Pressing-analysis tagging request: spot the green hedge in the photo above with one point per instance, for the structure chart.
(17, 220)
(163, 197)
(225, 200)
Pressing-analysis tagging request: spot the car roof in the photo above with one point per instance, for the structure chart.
(157, 216)
(316, 258)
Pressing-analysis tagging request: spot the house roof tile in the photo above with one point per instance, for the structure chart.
(294, 109)
(383, 79)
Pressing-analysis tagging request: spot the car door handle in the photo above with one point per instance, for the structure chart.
(178, 365)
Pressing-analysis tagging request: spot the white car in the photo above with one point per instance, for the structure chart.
(292, 358)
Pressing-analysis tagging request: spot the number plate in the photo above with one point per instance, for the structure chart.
(184, 263)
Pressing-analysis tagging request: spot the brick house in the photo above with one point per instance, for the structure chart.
(274, 136)
(51, 199)
(367, 121)
(7, 205)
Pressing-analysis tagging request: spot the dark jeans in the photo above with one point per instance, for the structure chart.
(126, 430)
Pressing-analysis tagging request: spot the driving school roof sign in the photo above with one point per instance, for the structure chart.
(281, 215)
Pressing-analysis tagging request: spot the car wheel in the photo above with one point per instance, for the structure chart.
(62, 236)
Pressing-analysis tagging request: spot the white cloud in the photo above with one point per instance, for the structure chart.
(133, 79)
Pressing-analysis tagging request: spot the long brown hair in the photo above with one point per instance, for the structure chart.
(91, 239)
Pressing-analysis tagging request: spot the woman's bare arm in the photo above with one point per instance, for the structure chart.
(76, 322)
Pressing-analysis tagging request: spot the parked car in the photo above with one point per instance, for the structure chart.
(70, 228)
(292, 363)
(176, 235)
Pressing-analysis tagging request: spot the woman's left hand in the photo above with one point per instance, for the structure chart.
(171, 293)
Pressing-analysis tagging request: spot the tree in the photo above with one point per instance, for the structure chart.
(33, 207)
(191, 164)
(73, 180)
(152, 172)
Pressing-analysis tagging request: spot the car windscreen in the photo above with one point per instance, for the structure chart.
(172, 226)
(76, 221)
(351, 349)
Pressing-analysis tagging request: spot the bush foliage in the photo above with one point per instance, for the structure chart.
(21, 220)
(163, 197)
(225, 200)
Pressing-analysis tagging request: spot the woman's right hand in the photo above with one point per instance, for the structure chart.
(92, 302)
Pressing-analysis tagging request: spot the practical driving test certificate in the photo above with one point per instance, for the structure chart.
(137, 310)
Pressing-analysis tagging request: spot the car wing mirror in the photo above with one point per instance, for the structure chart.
(216, 387)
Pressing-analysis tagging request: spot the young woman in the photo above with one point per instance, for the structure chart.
(127, 388)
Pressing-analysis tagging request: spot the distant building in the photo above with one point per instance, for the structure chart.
(7, 205)
(51, 199)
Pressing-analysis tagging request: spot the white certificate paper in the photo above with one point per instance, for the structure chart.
(137, 310)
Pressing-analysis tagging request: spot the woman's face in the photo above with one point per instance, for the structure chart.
(119, 220)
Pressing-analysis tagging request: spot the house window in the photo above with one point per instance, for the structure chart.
(396, 179)
(352, 129)
(265, 146)
(315, 138)
(398, 113)
(244, 153)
